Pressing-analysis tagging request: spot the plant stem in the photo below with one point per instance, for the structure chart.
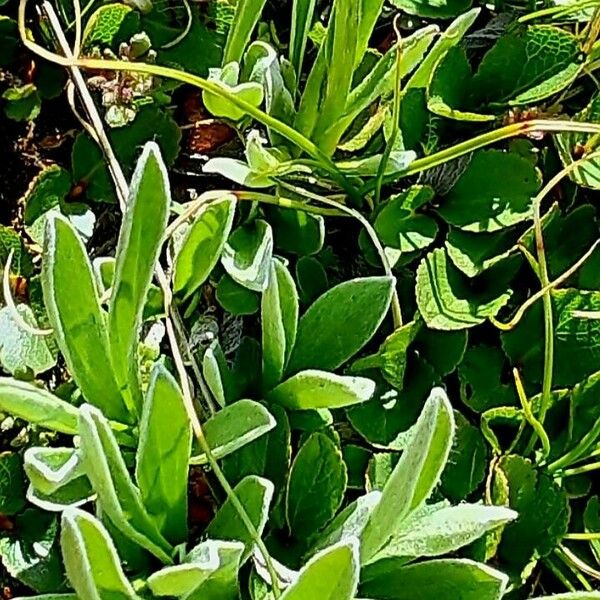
(395, 115)
(580, 470)
(486, 139)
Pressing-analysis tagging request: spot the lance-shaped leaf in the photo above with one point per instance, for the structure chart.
(416, 474)
(279, 320)
(460, 579)
(313, 389)
(202, 246)
(330, 575)
(359, 306)
(117, 495)
(233, 427)
(255, 495)
(71, 299)
(210, 561)
(443, 530)
(162, 461)
(247, 14)
(91, 561)
(138, 248)
(37, 406)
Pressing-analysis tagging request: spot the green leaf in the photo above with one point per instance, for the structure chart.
(481, 378)
(316, 486)
(473, 253)
(339, 48)
(139, 244)
(10, 240)
(202, 246)
(302, 16)
(448, 40)
(163, 454)
(31, 554)
(22, 103)
(20, 350)
(313, 389)
(210, 560)
(12, 484)
(359, 306)
(332, 574)
(296, 231)
(459, 579)
(591, 522)
(279, 322)
(247, 255)
(571, 596)
(543, 510)
(267, 456)
(37, 406)
(233, 427)
(120, 500)
(235, 298)
(495, 191)
(576, 340)
(444, 530)
(91, 561)
(445, 300)
(311, 278)
(247, 14)
(71, 299)
(418, 471)
(399, 226)
(467, 463)
(49, 469)
(523, 59)
(255, 495)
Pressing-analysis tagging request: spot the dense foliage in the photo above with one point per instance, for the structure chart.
(301, 299)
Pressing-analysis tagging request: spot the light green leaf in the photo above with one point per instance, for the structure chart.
(302, 16)
(399, 160)
(139, 244)
(312, 389)
(247, 255)
(233, 427)
(118, 497)
(37, 406)
(459, 579)
(418, 471)
(255, 495)
(495, 191)
(279, 322)
(332, 574)
(49, 469)
(163, 454)
(398, 225)
(91, 561)
(339, 49)
(227, 78)
(359, 306)
(71, 299)
(445, 530)
(247, 14)
(201, 249)
(238, 171)
(444, 299)
(316, 486)
(449, 39)
(210, 559)
(20, 350)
